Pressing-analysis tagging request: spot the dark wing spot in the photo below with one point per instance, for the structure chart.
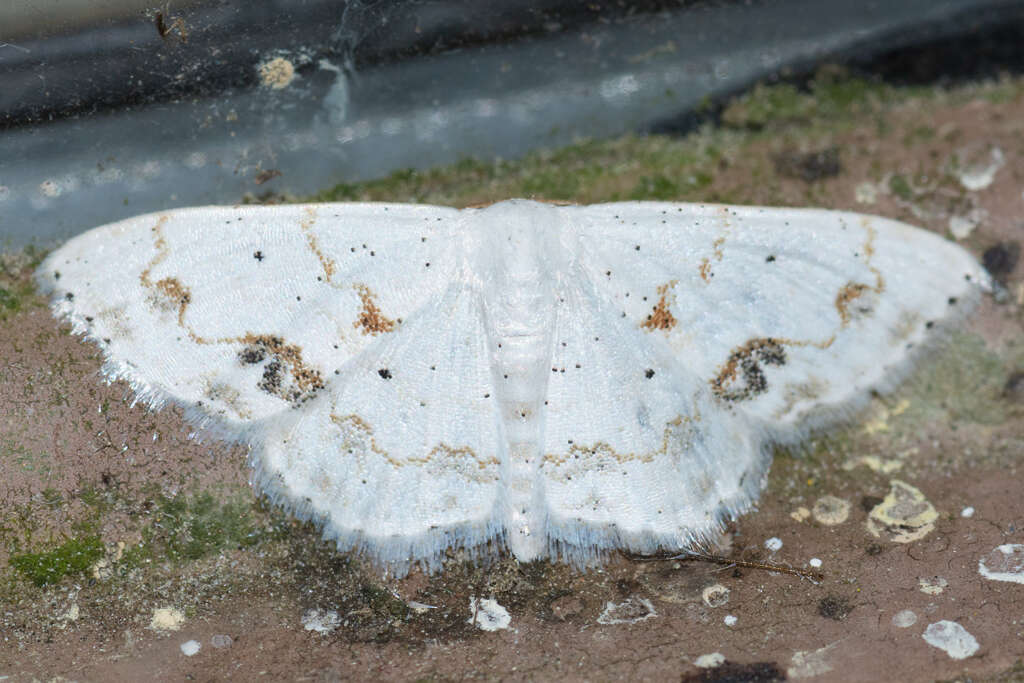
(742, 376)
(384, 373)
(285, 375)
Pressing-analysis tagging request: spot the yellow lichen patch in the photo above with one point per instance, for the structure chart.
(801, 514)
(276, 73)
(904, 516)
(830, 510)
(879, 422)
(661, 318)
(875, 464)
(370, 320)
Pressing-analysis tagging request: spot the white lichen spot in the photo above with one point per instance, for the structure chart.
(195, 160)
(773, 544)
(320, 621)
(715, 595)
(904, 516)
(967, 512)
(831, 510)
(630, 611)
(166, 619)
(50, 188)
(951, 638)
(69, 615)
(977, 175)
(932, 586)
(866, 193)
(709, 661)
(904, 619)
(487, 615)
(961, 226)
(101, 569)
(808, 664)
(190, 648)
(276, 73)
(815, 562)
(1004, 563)
(222, 641)
(730, 620)
(148, 170)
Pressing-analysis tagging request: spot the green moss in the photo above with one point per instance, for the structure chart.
(383, 602)
(94, 498)
(17, 296)
(190, 527)
(899, 186)
(27, 460)
(767, 104)
(74, 556)
(655, 187)
(918, 134)
(52, 498)
(831, 99)
(17, 290)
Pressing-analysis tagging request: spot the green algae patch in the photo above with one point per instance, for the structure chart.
(961, 383)
(74, 556)
(17, 290)
(191, 527)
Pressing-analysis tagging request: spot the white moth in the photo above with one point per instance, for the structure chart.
(557, 380)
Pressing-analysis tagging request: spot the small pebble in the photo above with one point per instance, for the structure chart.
(190, 647)
(773, 544)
